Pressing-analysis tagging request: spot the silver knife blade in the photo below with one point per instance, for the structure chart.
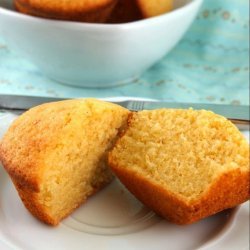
(19, 102)
(233, 112)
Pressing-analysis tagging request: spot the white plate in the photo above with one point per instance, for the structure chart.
(114, 219)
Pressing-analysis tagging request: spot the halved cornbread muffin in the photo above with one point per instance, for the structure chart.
(56, 154)
(183, 164)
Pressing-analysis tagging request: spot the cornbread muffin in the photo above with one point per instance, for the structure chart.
(183, 164)
(55, 154)
(95, 11)
(125, 11)
(151, 8)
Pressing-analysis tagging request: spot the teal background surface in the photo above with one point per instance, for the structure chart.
(210, 64)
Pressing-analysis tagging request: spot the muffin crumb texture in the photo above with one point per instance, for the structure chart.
(185, 156)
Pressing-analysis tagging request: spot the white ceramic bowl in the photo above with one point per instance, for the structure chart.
(95, 55)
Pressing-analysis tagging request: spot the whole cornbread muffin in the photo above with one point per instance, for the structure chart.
(183, 164)
(56, 154)
(95, 11)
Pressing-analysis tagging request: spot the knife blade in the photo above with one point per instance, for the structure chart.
(233, 112)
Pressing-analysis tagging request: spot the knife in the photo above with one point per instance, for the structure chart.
(237, 113)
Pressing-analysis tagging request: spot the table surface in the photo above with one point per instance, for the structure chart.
(209, 65)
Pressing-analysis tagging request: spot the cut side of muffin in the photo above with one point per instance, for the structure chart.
(151, 8)
(96, 11)
(183, 164)
(56, 154)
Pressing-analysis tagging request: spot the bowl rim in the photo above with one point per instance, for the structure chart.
(107, 26)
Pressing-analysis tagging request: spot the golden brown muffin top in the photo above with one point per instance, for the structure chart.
(45, 128)
(65, 5)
